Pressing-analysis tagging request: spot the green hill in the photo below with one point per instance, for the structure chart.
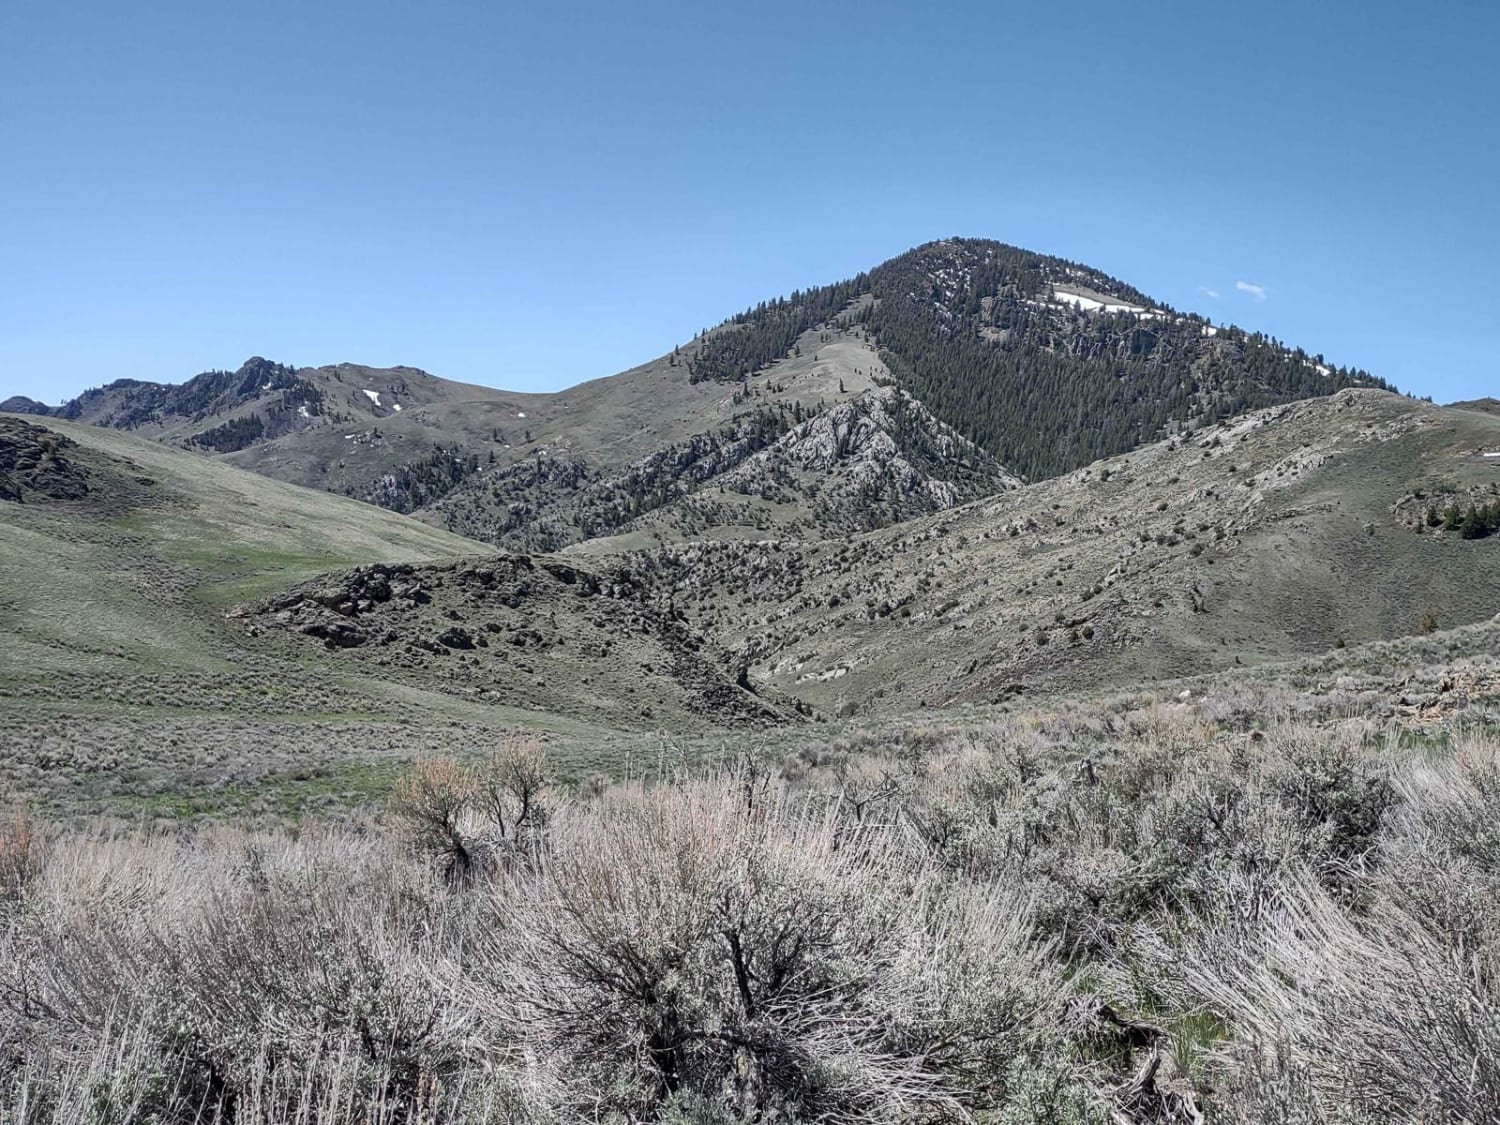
(129, 676)
(141, 564)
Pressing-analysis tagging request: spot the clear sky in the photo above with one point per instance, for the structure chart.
(528, 196)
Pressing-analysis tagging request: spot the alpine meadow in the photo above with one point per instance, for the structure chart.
(976, 691)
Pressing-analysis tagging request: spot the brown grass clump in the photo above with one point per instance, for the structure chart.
(23, 851)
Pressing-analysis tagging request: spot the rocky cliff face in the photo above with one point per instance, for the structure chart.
(874, 460)
(884, 452)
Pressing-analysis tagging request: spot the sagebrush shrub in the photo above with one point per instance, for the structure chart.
(765, 959)
(1370, 1011)
(23, 850)
(1295, 918)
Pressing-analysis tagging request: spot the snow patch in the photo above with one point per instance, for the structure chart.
(1210, 330)
(520, 413)
(1090, 304)
(302, 410)
(373, 396)
(395, 406)
(1087, 304)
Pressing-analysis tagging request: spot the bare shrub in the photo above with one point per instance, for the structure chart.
(511, 795)
(23, 850)
(1281, 914)
(473, 818)
(1334, 793)
(689, 942)
(1269, 1087)
(326, 980)
(1441, 849)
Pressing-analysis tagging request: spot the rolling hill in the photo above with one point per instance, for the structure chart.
(971, 475)
(173, 624)
(130, 667)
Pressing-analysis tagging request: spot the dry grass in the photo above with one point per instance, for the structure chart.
(944, 923)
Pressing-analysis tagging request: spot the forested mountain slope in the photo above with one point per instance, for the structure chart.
(1047, 364)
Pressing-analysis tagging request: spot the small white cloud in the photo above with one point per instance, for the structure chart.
(1206, 291)
(1256, 291)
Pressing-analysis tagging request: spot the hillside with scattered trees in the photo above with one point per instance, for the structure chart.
(1005, 345)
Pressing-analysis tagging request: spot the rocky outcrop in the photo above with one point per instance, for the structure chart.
(534, 632)
(36, 463)
(867, 463)
(884, 443)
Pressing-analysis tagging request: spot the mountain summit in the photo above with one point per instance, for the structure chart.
(1046, 363)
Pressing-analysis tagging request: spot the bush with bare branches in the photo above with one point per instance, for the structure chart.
(23, 850)
(761, 957)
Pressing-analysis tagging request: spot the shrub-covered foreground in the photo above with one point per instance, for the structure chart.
(1166, 913)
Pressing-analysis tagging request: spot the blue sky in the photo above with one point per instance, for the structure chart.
(528, 196)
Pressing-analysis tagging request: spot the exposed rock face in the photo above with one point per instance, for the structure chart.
(868, 429)
(36, 463)
(867, 463)
(884, 448)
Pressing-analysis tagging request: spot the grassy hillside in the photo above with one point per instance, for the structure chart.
(122, 683)
(141, 568)
(1288, 531)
